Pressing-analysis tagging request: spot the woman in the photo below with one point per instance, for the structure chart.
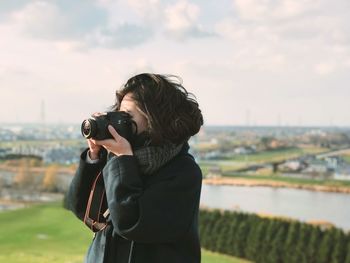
(152, 184)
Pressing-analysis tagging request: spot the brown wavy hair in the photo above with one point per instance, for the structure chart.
(173, 113)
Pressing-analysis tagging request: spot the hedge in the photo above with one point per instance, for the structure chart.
(271, 240)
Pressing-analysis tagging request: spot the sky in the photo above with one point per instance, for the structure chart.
(248, 62)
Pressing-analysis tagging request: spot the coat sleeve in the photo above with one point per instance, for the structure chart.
(80, 186)
(160, 212)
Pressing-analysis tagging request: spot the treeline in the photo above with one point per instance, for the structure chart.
(14, 156)
(27, 180)
(269, 240)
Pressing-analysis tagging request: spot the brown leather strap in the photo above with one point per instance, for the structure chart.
(96, 206)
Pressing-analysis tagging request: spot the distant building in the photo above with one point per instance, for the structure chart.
(292, 165)
(3, 152)
(214, 171)
(316, 166)
(244, 150)
(63, 155)
(7, 135)
(342, 172)
(333, 162)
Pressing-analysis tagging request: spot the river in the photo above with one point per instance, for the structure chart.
(304, 205)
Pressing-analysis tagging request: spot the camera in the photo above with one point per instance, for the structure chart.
(96, 127)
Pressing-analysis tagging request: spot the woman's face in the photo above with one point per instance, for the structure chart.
(128, 104)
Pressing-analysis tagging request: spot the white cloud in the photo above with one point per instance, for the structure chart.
(121, 36)
(292, 8)
(324, 68)
(141, 65)
(45, 20)
(181, 21)
(347, 63)
(70, 46)
(287, 35)
(251, 9)
(253, 46)
(271, 9)
(182, 16)
(267, 56)
(238, 32)
(150, 10)
(41, 19)
(118, 24)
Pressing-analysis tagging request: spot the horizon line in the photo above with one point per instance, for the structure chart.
(204, 125)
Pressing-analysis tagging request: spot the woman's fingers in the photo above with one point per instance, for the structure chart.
(92, 145)
(114, 133)
(118, 144)
(100, 142)
(96, 114)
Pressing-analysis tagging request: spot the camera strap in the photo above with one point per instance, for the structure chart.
(97, 209)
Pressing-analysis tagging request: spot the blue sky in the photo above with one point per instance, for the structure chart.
(257, 62)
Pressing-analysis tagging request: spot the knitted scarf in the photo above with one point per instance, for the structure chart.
(151, 158)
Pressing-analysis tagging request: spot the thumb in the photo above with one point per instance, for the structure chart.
(114, 133)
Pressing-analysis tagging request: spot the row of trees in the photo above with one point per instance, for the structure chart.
(271, 240)
(27, 179)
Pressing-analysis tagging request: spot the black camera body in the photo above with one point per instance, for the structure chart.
(96, 127)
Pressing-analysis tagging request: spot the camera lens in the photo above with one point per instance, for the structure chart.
(88, 128)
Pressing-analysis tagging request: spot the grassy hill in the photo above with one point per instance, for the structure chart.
(47, 233)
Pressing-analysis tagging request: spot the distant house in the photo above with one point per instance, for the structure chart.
(274, 144)
(342, 172)
(292, 166)
(212, 155)
(244, 150)
(333, 162)
(310, 168)
(214, 171)
(64, 155)
(317, 166)
(3, 152)
(7, 135)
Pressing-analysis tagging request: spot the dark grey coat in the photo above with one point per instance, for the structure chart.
(153, 218)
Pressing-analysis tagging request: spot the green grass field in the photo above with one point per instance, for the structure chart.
(276, 155)
(242, 161)
(269, 156)
(347, 158)
(47, 233)
(70, 142)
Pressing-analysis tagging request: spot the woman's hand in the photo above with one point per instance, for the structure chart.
(118, 145)
(94, 149)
